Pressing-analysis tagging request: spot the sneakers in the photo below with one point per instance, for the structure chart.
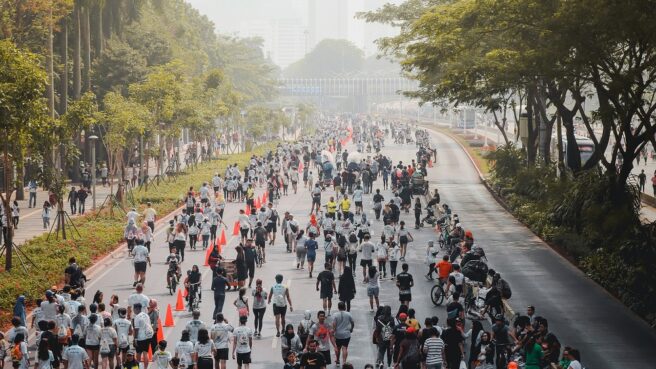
(278, 334)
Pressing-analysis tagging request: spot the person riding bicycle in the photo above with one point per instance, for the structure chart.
(501, 336)
(192, 284)
(173, 261)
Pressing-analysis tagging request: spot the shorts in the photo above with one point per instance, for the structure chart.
(358, 204)
(271, 227)
(142, 346)
(93, 347)
(279, 310)
(244, 358)
(244, 232)
(204, 201)
(326, 295)
(123, 350)
(326, 357)
(365, 263)
(140, 267)
(311, 258)
(405, 297)
(261, 243)
(111, 353)
(330, 215)
(403, 239)
(373, 291)
(221, 354)
(342, 342)
(316, 201)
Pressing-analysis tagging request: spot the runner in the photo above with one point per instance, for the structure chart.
(367, 248)
(311, 247)
(141, 261)
(194, 326)
(143, 332)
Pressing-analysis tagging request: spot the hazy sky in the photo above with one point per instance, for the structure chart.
(229, 15)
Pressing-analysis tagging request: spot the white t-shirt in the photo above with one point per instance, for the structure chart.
(459, 277)
(75, 356)
(357, 195)
(220, 333)
(381, 251)
(242, 335)
(162, 359)
(141, 321)
(204, 349)
(138, 298)
(183, 350)
(132, 216)
(575, 365)
(367, 249)
(123, 332)
(49, 310)
(92, 335)
(149, 214)
(193, 327)
(244, 222)
(140, 253)
(107, 336)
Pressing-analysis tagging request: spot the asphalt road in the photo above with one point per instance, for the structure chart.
(580, 313)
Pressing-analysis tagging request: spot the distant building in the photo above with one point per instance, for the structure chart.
(327, 19)
(284, 39)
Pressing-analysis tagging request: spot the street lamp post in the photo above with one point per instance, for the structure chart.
(93, 139)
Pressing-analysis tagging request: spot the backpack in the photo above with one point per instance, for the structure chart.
(412, 357)
(504, 287)
(16, 353)
(386, 330)
(341, 253)
(293, 227)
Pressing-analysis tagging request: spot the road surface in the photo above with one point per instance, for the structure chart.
(580, 313)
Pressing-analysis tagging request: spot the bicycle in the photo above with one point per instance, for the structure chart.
(259, 257)
(437, 294)
(194, 289)
(172, 278)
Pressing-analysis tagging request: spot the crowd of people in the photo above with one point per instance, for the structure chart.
(76, 333)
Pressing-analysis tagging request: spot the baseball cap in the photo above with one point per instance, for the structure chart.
(403, 316)
(411, 330)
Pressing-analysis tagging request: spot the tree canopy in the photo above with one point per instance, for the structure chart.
(330, 58)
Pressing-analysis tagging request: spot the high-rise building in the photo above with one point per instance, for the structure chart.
(284, 39)
(327, 19)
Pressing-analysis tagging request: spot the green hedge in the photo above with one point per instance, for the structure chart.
(587, 218)
(99, 236)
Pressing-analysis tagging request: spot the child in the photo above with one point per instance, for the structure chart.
(291, 362)
(431, 259)
(162, 357)
(412, 321)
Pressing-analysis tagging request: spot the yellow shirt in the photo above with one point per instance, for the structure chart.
(331, 207)
(250, 193)
(345, 205)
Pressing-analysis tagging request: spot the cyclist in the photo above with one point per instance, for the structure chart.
(173, 261)
(501, 337)
(192, 284)
(260, 234)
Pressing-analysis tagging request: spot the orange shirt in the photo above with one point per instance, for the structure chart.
(444, 268)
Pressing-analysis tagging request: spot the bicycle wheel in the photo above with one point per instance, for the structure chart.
(437, 295)
(174, 284)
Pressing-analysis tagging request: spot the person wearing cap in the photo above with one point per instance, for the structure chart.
(242, 343)
(74, 356)
(130, 360)
(409, 356)
(137, 297)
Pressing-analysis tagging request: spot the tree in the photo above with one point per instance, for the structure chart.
(22, 118)
(118, 67)
(330, 58)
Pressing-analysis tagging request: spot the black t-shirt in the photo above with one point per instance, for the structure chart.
(500, 334)
(326, 279)
(218, 285)
(250, 254)
(404, 280)
(399, 333)
(452, 338)
(260, 234)
(312, 360)
(73, 271)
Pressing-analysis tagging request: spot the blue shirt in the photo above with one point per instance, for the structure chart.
(311, 246)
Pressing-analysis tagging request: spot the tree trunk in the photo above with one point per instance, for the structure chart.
(5, 201)
(86, 49)
(98, 30)
(63, 74)
(77, 79)
(50, 70)
(107, 20)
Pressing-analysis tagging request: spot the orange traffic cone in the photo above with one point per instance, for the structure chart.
(235, 229)
(222, 241)
(257, 202)
(430, 163)
(207, 255)
(160, 330)
(150, 353)
(168, 321)
(179, 305)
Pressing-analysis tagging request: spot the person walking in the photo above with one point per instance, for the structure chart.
(15, 214)
(242, 344)
(45, 212)
(280, 296)
(373, 287)
(32, 188)
(346, 288)
(219, 287)
(220, 332)
(72, 200)
(343, 325)
(204, 351)
(326, 286)
(259, 307)
(405, 282)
